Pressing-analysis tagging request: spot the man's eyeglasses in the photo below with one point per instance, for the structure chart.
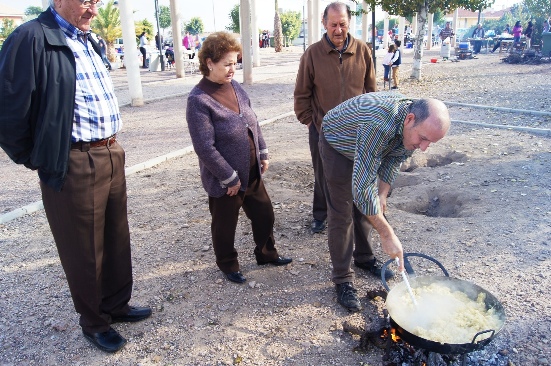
(88, 3)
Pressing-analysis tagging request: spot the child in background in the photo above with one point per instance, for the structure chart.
(387, 62)
(396, 62)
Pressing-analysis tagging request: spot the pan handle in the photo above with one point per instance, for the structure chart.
(409, 268)
(485, 341)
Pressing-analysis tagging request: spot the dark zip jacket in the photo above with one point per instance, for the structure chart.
(37, 93)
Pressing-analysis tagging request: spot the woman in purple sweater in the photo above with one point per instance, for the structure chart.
(232, 156)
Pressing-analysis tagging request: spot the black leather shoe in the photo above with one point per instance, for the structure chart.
(135, 314)
(279, 261)
(346, 296)
(317, 226)
(109, 341)
(236, 277)
(374, 267)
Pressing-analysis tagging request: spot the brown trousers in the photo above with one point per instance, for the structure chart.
(88, 219)
(319, 206)
(225, 213)
(346, 224)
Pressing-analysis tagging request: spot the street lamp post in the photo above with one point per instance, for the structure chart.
(160, 43)
(303, 30)
(213, 15)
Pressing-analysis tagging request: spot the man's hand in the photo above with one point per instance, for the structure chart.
(264, 164)
(390, 243)
(393, 247)
(233, 190)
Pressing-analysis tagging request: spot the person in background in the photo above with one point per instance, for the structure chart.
(517, 31)
(528, 33)
(446, 32)
(478, 34)
(266, 39)
(332, 70)
(159, 41)
(232, 156)
(169, 54)
(387, 63)
(197, 43)
(363, 141)
(506, 32)
(188, 43)
(143, 43)
(396, 62)
(103, 49)
(546, 26)
(60, 117)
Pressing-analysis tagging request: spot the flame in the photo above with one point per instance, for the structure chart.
(395, 338)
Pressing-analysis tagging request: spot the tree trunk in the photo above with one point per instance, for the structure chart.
(110, 52)
(278, 33)
(418, 47)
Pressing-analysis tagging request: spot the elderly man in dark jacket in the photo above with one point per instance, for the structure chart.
(65, 129)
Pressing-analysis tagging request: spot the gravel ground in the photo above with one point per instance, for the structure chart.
(491, 228)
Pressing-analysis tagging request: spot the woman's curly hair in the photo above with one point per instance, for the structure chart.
(216, 46)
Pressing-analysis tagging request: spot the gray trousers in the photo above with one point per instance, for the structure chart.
(346, 224)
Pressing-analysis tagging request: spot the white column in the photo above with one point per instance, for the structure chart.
(131, 53)
(401, 30)
(365, 23)
(310, 5)
(245, 17)
(385, 34)
(177, 39)
(352, 29)
(454, 26)
(414, 24)
(254, 32)
(429, 35)
(316, 23)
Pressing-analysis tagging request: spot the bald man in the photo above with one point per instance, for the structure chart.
(363, 141)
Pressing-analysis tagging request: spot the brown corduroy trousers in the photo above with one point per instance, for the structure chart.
(88, 219)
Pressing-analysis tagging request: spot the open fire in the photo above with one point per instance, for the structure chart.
(399, 352)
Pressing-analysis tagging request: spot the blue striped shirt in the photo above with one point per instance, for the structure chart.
(97, 114)
(367, 129)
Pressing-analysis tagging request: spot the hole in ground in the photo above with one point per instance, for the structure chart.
(436, 203)
(420, 160)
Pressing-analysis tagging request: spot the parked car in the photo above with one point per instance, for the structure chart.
(380, 35)
(118, 44)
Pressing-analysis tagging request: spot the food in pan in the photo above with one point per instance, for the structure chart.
(444, 314)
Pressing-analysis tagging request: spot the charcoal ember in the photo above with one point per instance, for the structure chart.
(370, 339)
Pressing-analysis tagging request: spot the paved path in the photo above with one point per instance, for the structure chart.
(156, 131)
(161, 84)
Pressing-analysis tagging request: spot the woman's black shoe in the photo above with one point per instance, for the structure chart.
(279, 261)
(236, 277)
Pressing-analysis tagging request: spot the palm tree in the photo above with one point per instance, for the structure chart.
(108, 25)
(278, 31)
